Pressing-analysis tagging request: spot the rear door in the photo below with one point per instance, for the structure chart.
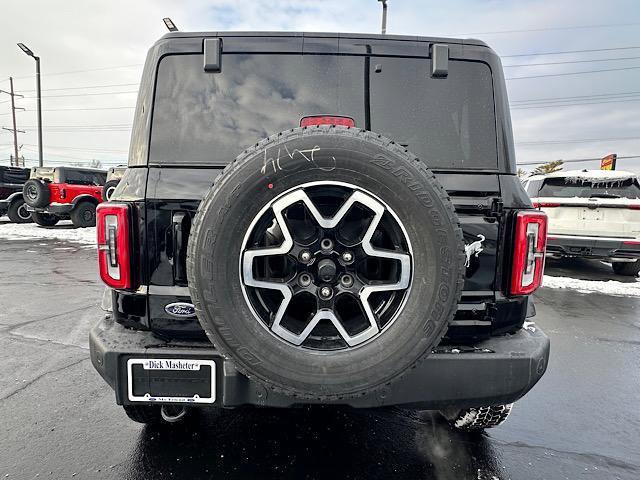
(202, 121)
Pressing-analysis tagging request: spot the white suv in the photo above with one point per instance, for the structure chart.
(592, 213)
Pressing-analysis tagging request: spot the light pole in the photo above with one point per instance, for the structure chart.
(384, 16)
(26, 50)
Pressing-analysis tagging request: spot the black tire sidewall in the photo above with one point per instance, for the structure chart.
(77, 214)
(363, 160)
(44, 219)
(628, 269)
(13, 212)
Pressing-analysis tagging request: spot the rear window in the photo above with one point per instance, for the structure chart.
(43, 173)
(204, 118)
(568, 188)
(13, 175)
(78, 177)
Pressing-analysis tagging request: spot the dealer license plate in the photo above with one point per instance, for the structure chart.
(171, 380)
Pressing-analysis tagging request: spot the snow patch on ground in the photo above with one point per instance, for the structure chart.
(62, 231)
(609, 287)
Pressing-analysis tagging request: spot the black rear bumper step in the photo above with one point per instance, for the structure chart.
(592, 247)
(495, 371)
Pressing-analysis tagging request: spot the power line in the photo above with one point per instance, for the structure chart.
(591, 96)
(578, 140)
(86, 87)
(88, 94)
(557, 105)
(79, 109)
(575, 73)
(572, 160)
(114, 67)
(540, 54)
(82, 149)
(571, 62)
(546, 29)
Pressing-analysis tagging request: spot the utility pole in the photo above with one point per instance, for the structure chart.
(15, 130)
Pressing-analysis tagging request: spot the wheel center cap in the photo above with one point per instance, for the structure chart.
(326, 270)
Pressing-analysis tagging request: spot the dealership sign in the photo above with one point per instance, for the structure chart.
(608, 162)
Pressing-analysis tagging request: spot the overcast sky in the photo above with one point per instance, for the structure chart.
(87, 114)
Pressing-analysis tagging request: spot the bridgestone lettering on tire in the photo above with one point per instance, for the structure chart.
(326, 262)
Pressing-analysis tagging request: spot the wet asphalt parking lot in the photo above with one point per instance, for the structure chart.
(58, 419)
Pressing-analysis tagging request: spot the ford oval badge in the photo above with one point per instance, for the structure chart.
(180, 309)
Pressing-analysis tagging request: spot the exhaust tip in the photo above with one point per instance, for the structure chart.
(173, 414)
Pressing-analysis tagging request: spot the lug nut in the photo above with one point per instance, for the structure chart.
(326, 292)
(305, 256)
(326, 244)
(346, 280)
(304, 280)
(347, 257)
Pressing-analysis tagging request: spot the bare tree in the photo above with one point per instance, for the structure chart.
(522, 173)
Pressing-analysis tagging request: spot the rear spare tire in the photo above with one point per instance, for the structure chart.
(44, 219)
(36, 193)
(108, 189)
(326, 261)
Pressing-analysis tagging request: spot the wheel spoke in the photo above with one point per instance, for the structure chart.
(323, 256)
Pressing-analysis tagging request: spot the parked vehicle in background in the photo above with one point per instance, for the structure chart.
(114, 174)
(592, 214)
(381, 253)
(56, 193)
(11, 202)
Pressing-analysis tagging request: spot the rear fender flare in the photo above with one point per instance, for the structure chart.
(85, 197)
(14, 196)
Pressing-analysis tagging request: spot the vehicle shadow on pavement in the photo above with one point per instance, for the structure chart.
(307, 443)
(583, 269)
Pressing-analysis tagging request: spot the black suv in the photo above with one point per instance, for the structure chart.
(320, 219)
(11, 202)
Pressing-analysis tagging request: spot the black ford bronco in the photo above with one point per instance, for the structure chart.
(320, 219)
(12, 204)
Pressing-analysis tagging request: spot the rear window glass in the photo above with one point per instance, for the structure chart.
(533, 187)
(568, 188)
(43, 173)
(13, 175)
(204, 118)
(78, 177)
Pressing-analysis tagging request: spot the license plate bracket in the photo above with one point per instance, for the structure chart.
(171, 380)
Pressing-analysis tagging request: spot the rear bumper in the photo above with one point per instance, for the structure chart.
(497, 371)
(592, 247)
(53, 209)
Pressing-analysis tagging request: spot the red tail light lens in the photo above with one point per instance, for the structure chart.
(529, 251)
(327, 120)
(634, 207)
(114, 255)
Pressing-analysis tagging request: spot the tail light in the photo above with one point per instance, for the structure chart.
(114, 255)
(545, 205)
(327, 120)
(634, 207)
(529, 250)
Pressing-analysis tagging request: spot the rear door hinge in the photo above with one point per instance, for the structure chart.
(497, 208)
